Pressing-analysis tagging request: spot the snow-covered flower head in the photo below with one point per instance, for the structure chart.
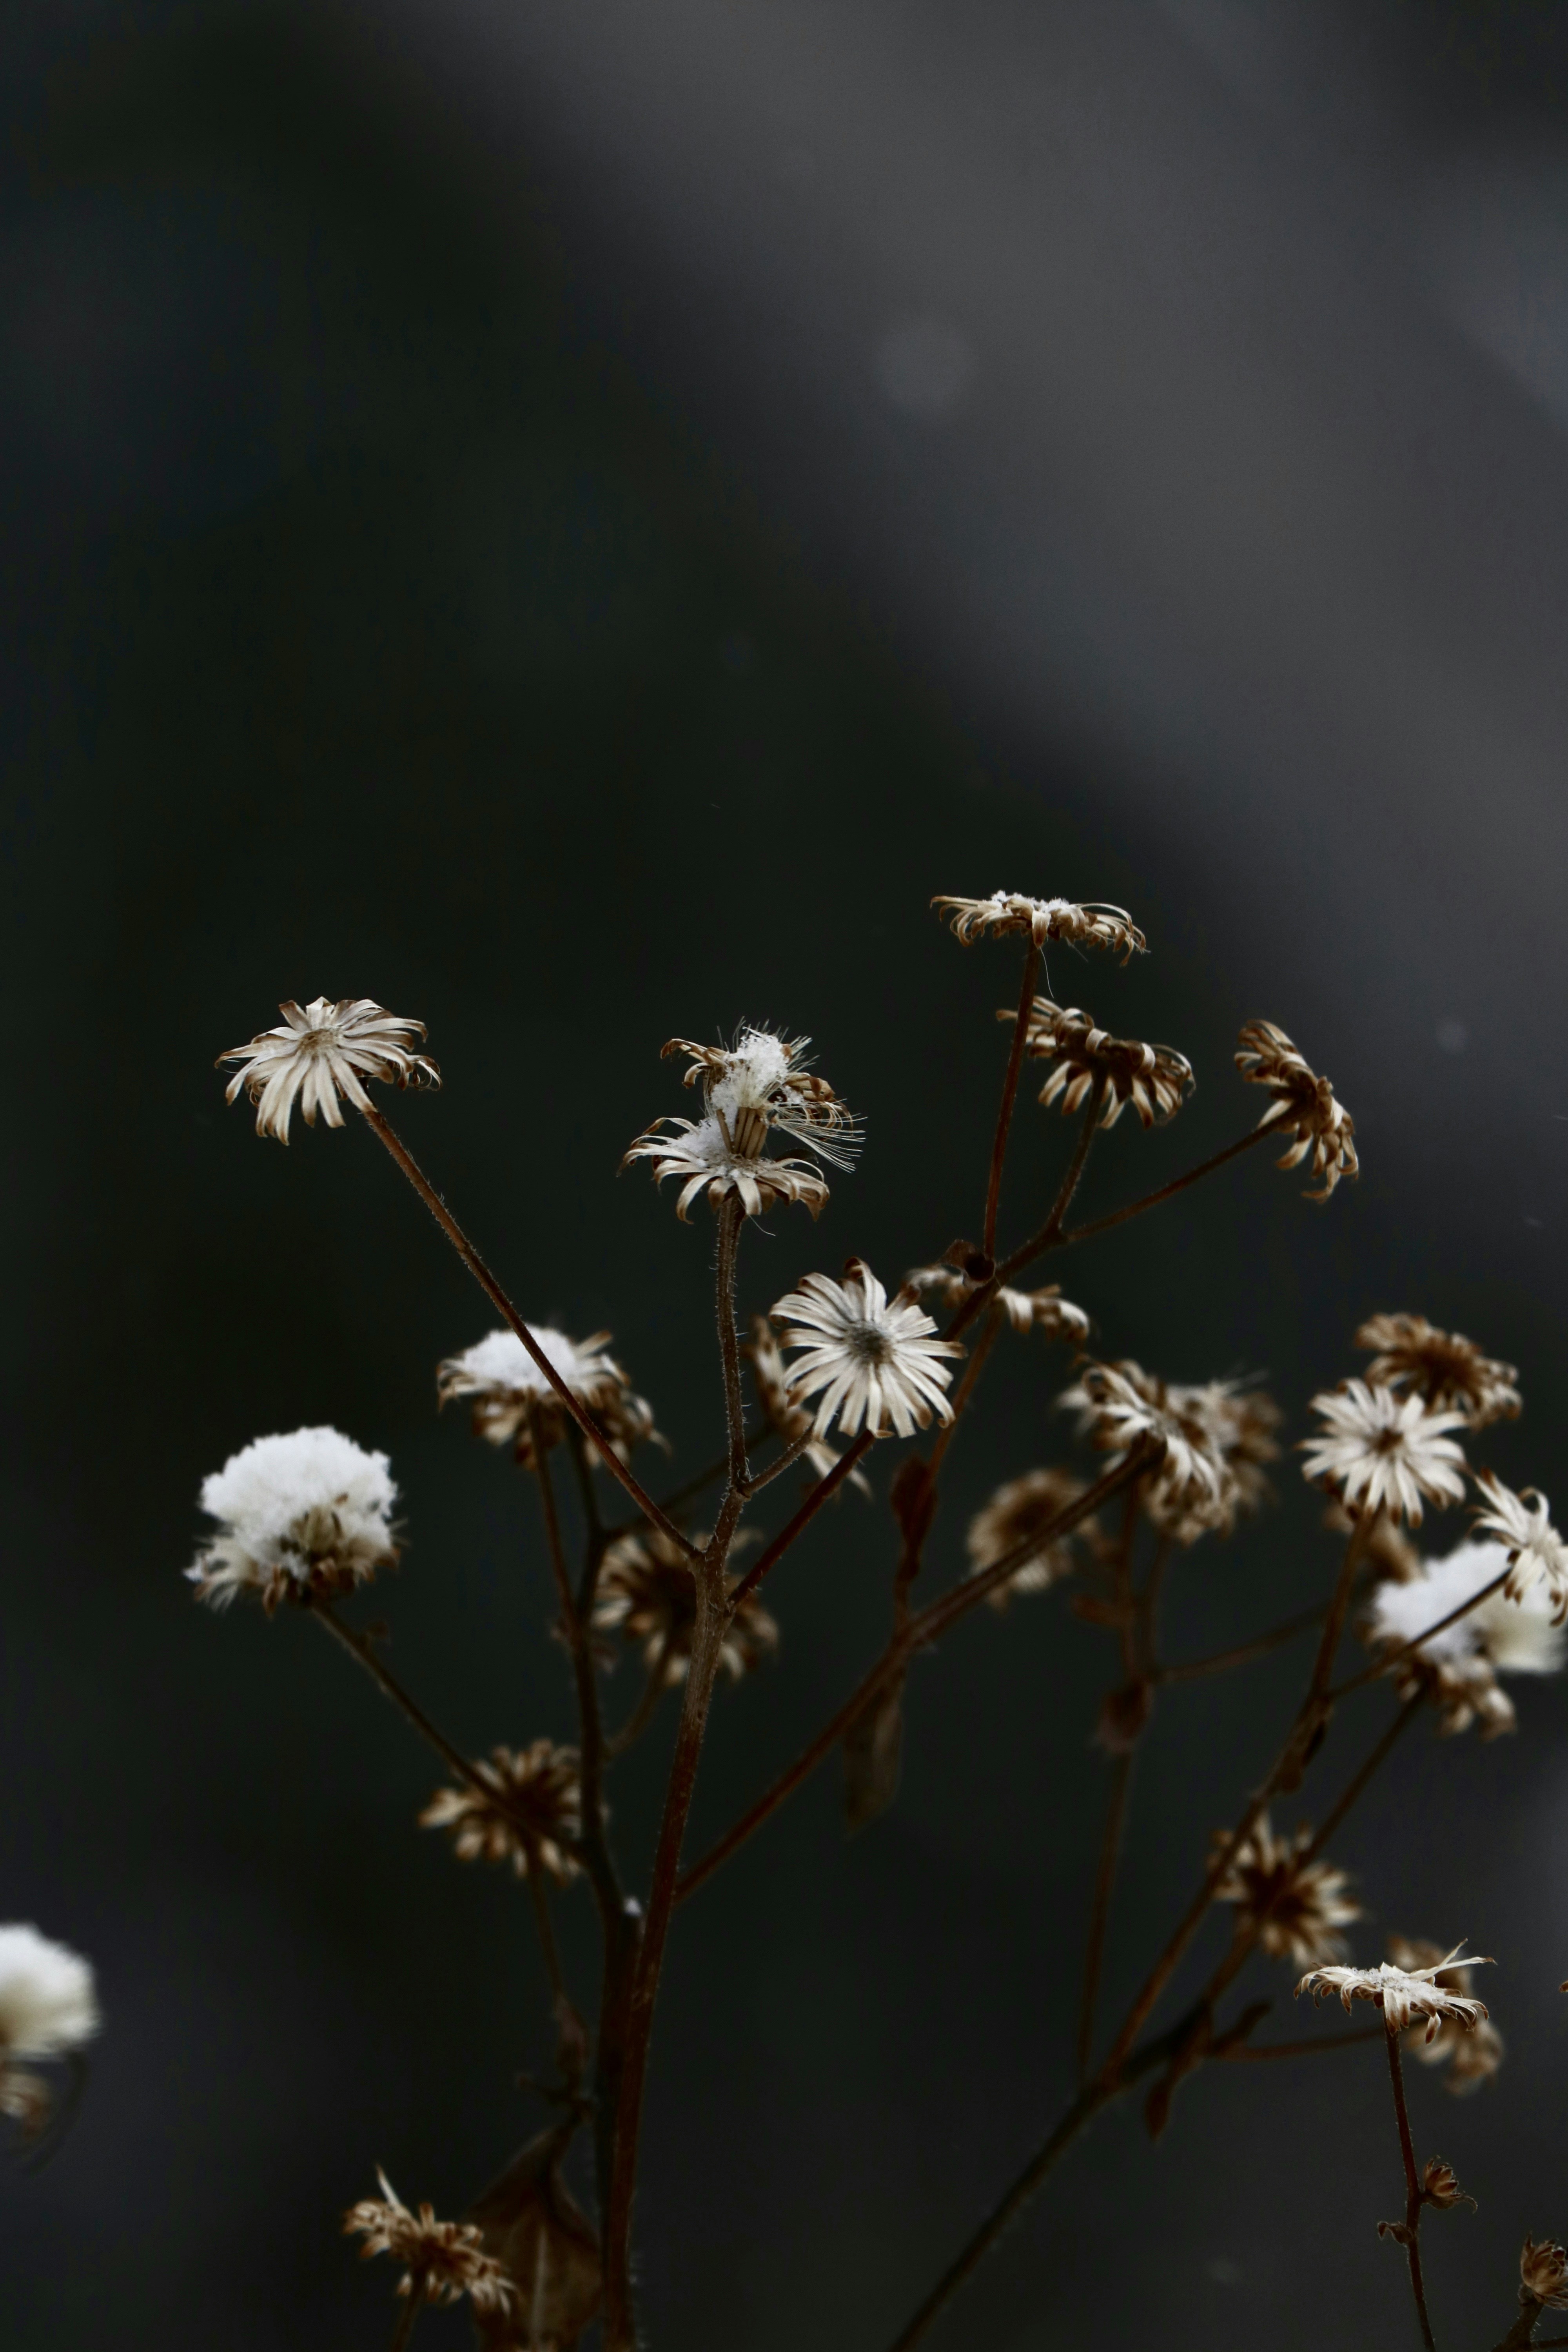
(534, 1818)
(1443, 1368)
(1044, 1310)
(1459, 1665)
(1152, 1079)
(763, 1080)
(1383, 1451)
(646, 1598)
(510, 1394)
(1020, 1514)
(1191, 1488)
(1302, 1904)
(320, 1052)
(1536, 1552)
(443, 2260)
(1402, 1993)
(787, 1418)
(1089, 924)
(1303, 1106)
(308, 1513)
(870, 1361)
(1473, 2054)
(48, 2006)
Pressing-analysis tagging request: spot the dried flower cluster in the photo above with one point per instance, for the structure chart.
(1295, 1904)
(48, 2009)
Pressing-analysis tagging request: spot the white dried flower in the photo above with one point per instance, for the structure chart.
(510, 1392)
(1402, 1993)
(701, 1156)
(789, 1420)
(1303, 1105)
(765, 1081)
(1044, 1310)
(1471, 2054)
(874, 1361)
(1523, 1525)
(1089, 924)
(321, 1053)
(1191, 1488)
(1383, 1451)
(48, 2006)
(1457, 1665)
(302, 1514)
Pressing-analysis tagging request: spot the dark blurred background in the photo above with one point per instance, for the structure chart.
(574, 521)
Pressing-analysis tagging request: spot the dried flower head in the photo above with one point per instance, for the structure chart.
(647, 1596)
(1383, 1451)
(529, 2221)
(300, 1514)
(1440, 2186)
(1472, 2057)
(701, 1155)
(48, 2006)
(1536, 1552)
(763, 1081)
(789, 1420)
(1090, 925)
(874, 1361)
(534, 1818)
(1152, 1078)
(1447, 1370)
(1300, 1903)
(1192, 1488)
(442, 2259)
(510, 1393)
(1303, 1106)
(1544, 2273)
(1402, 1993)
(1458, 1667)
(1044, 1310)
(321, 1053)
(1020, 1513)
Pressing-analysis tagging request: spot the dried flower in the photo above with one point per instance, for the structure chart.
(443, 2260)
(535, 1818)
(1381, 1451)
(700, 1154)
(529, 2221)
(1043, 1310)
(1191, 1489)
(1536, 1552)
(1387, 1549)
(1458, 1667)
(321, 1053)
(1300, 1902)
(1544, 2273)
(510, 1391)
(1303, 1105)
(1440, 2186)
(1402, 1993)
(1472, 2056)
(1017, 1514)
(48, 2006)
(789, 1420)
(873, 1360)
(648, 1594)
(763, 1081)
(308, 1513)
(1152, 1078)
(1090, 925)
(1445, 1368)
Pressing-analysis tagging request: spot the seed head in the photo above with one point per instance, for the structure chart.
(1300, 1903)
(1536, 1552)
(1019, 1513)
(1192, 1487)
(319, 1054)
(647, 1596)
(763, 1081)
(1544, 2273)
(1402, 1993)
(443, 2260)
(1447, 1370)
(1303, 1106)
(1456, 1667)
(306, 1513)
(1472, 2057)
(534, 1820)
(48, 2005)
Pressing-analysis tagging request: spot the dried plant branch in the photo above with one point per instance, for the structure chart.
(822, 1492)
(1414, 2200)
(1168, 1191)
(1009, 1095)
(642, 1715)
(407, 2318)
(358, 1646)
(1100, 1910)
(1219, 1661)
(756, 1480)
(1391, 1658)
(1049, 1235)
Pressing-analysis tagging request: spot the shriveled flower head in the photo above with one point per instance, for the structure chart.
(1472, 2057)
(1191, 1488)
(1089, 925)
(321, 1053)
(1383, 1451)
(1077, 1056)
(1536, 1552)
(1544, 2273)
(308, 1513)
(1444, 1368)
(1020, 1513)
(701, 1157)
(534, 1818)
(1303, 1107)
(48, 2006)
(1302, 1904)
(1402, 1993)
(1440, 2185)
(867, 1360)
(784, 1416)
(510, 1394)
(648, 1598)
(1044, 1310)
(1458, 1667)
(529, 2221)
(442, 2259)
(763, 1081)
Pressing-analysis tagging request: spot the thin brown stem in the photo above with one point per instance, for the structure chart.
(407, 2318)
(357, 1646)
(1187, 1670)
(1009, 1095)
(1391, 1658)
(822, 1492)
(1048, 1235)
(642, 1714)
(1360, 1777)
(546, 1926)
(1247, 2054)
(757, 1479)
(731, 1217)
(567, 1598)
(387, 1135)
(1100, 1914)
(1167, 1191)
(1413, 2197)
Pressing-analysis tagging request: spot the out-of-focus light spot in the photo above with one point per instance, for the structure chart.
(925, 365)
(1223, 2272)
(1453, 1035)
(1497, 250)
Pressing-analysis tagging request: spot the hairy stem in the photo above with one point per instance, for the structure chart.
(731, 1217)
(1009, 1095)
(1412, 2198)
(822, 1492)
(1100, 1914)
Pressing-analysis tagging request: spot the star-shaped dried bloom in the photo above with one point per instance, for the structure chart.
(1456, 1667)
(1536, 1552)
(1089, 925)
(321, 1053)
(648, 1598)
(763, 1081)
(701, 1156)
(1402, 1993)
(1152, 1079)
(1544, 2273)
(1045, 1310)
(787, 1419)
(1303, 1106)
(443, 2260)
(303, 1514)
(510, 1394)
(1472, 2057)
(1191, 1489)
(873, 1360)
(1302, 1904)
(1018, 1513)
(534, 1820)
(1383, 1451)
(1443, 1368)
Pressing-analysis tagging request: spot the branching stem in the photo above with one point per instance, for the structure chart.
(1414, 2200)
(1009, 1094)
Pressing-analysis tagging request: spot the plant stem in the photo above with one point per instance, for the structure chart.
(387, 1683)
(385, 1134)
(1188, 1669)
(1248, 2053)
(551, 1524)
(1100, 1916)
(1049, 1234)
(642, 1714)
(757, 1479)
(407, 2319)
(730, 1215)
(542, 1921)
(822, 1492)
(1009, 1095)
(1166, 1192)
(1412, 2198)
